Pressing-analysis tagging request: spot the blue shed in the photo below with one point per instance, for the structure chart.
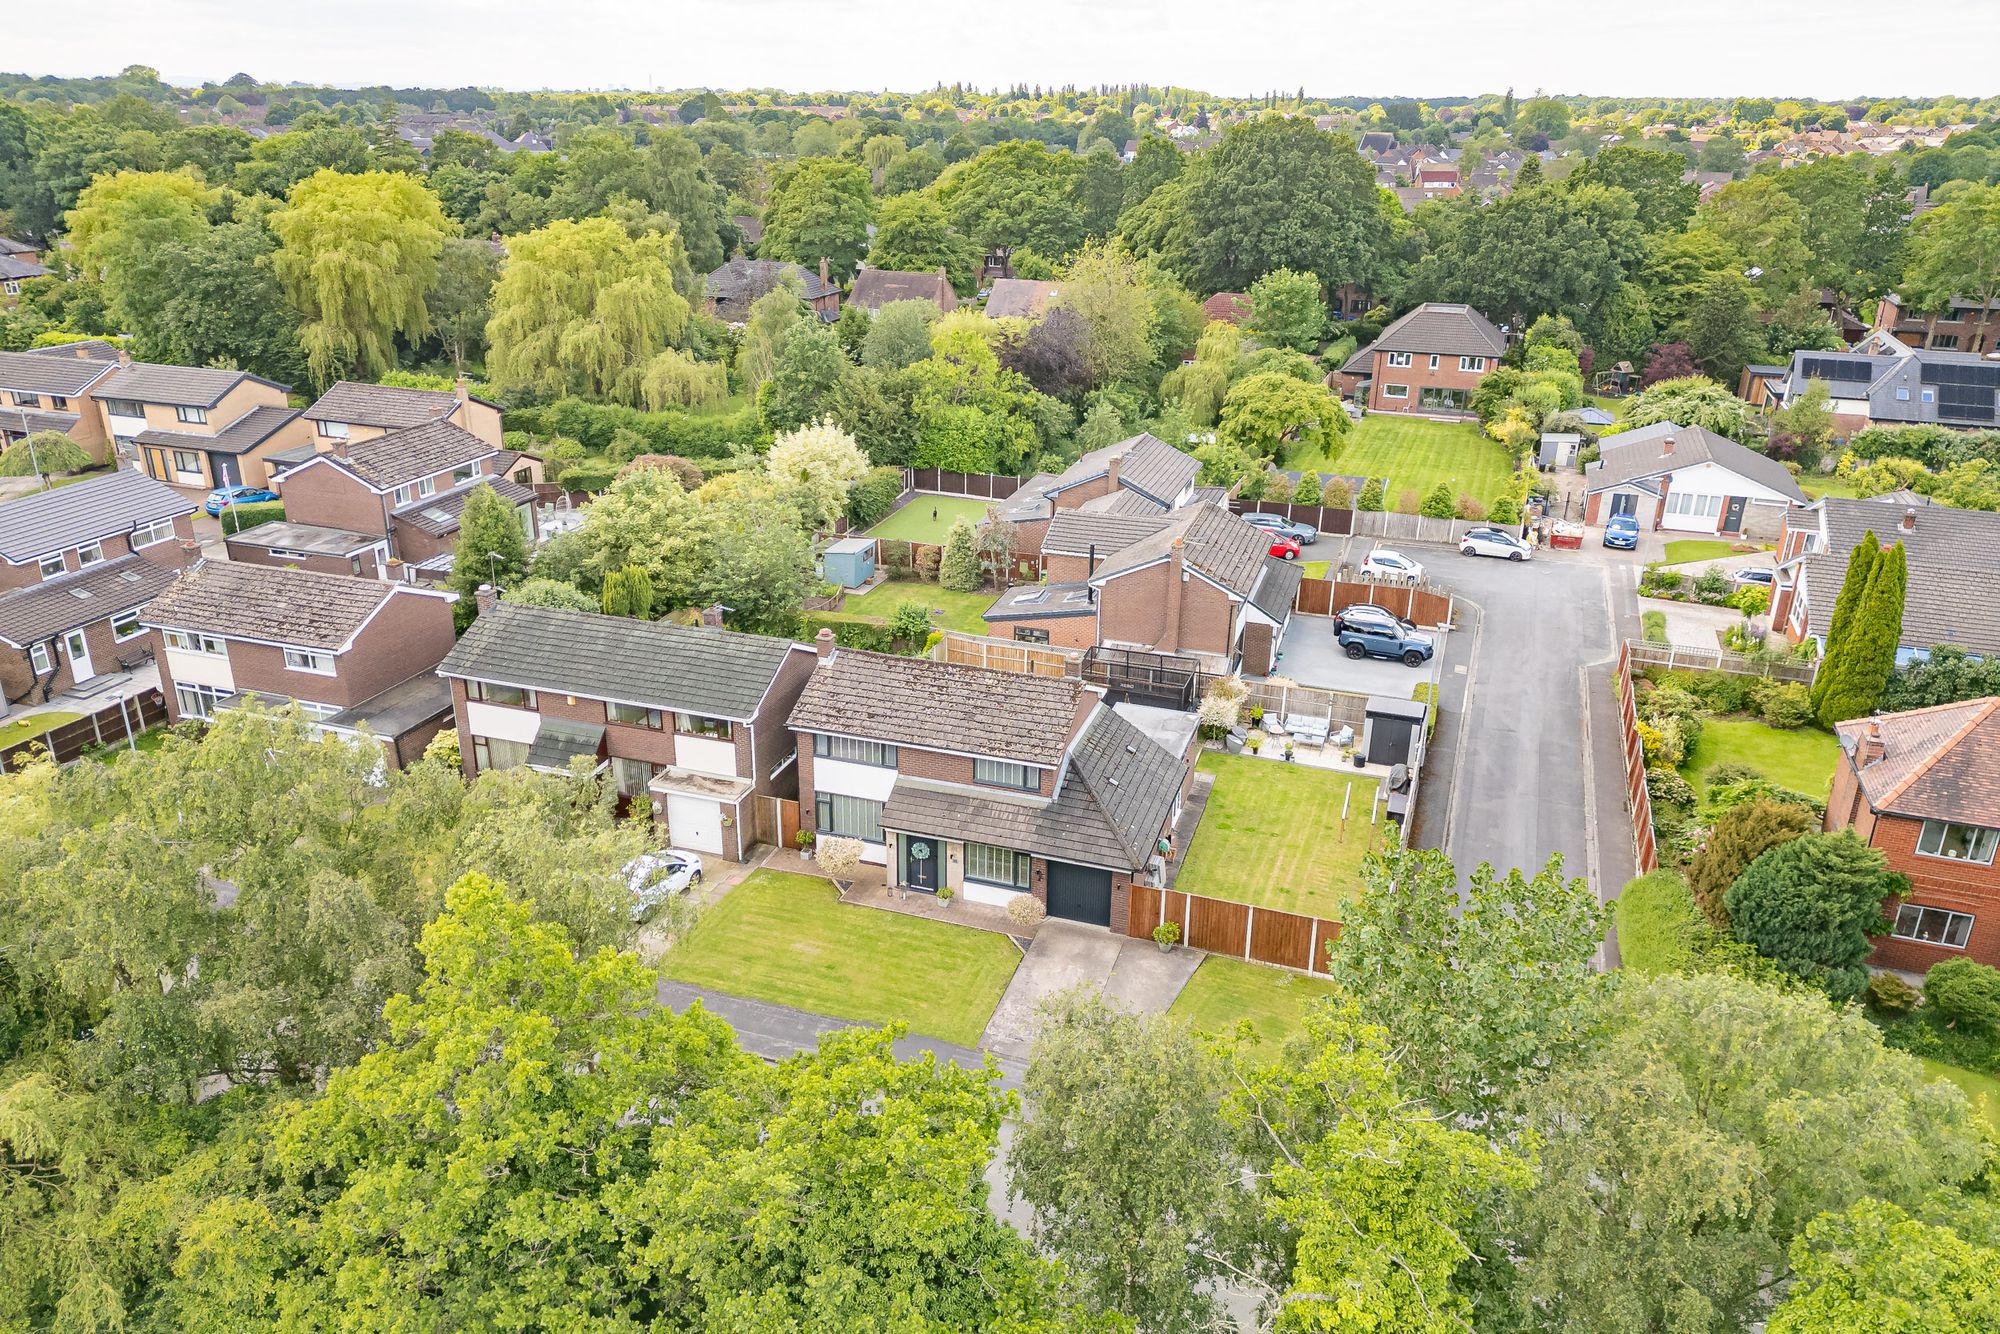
(850, 562)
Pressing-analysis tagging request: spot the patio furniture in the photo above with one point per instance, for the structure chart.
(1344, 737)
(1307, 730)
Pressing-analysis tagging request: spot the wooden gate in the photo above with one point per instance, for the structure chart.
(774, 820)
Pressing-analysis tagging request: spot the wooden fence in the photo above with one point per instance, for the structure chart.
(1677, 657)
(1637, 800)
(1338, 522)
(1264, 935)
(111, 725)
(1420, 604)
(1006, 655)
(773, 820)
(1339, 707)
(976, 485)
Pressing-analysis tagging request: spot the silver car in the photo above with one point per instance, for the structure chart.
(1302, 533)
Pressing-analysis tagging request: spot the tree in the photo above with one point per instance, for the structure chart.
(1811, 904)
(1370, 499)
(123, 220)
(1447, 982)
(808, 365)
(1721, 331)
(1954, 250)
(772, 316)
(216, 301)
(1861, 563)
(1308, 491)
(672, 378)
(1965, 992)
(822, 463)
(1948, 675)
(1740, 835)
(915, 235)
(43, 454)
(1287, 310)
(1856, 668)
(1695, 401)
(1438, 502)
(751, 555)
(1014, 195)
(356, 255)
(1702, 1131)
(819, 208)
(462, 301)
(958, 567)
(1268, 413)
(1651, 176)
(899, 335)
(1545, 249)
(1874, 1267)
(492, 549)
(628, 592)
(555, 594)
(1102, 426)
(1668, 361)
(1107, 290)
(1124, 1159)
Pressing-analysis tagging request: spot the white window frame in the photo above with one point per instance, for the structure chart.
(199, 701)
(187, 641)
(39, 659)
(1472, 364)
(1909, 926)
(1934, 831)
(1395, 391)
(464, 473)
(427, 486)
(317, 661)
(401, 496)
(12, 287)
(854, 750)
(152, 534)
(193, 416)
(52, 565)
(332, 430)
(89, 554)
(131, 619)
(702, 725)
(1434, 361)
(1399, 359)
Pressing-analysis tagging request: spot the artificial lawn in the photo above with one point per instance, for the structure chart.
(23, 729)
(1800, 758)
(788, 939)
(913, 522)
(1412, 453)
(1225, 991)
(1271, 836)
(1984, 1090)
(962, 611)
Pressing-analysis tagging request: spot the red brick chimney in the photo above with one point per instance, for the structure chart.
(1170, 638)
(712, 614)
(823, 642)
(1909, 523)
(823, 277)
(1870, 748)
(1666, 446)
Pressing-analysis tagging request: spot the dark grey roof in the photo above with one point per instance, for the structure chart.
(559, 740)
(54, 520)
(942, 706)
(742, 281)
(1074, 532)
(391, 460)
(42, 611)
(401, 708)
(1445, 329)
(1146, 464)
(1278, 589)
(273, 603)
(1963, 388)
(309, 538)
(1632, 455)
(1043, 602)
(875, 288)
(176, 386)
(1953, 557)
(1116, 798)
(15, 269)
(692, 669)
(1217, 543)
(247, 432)
(29, 420)
(439, 515)
(92, 349)
(1027, 502)
(385, 405)
(37, 373)
(9, 246)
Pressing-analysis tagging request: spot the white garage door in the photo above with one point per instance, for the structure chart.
(694, 823)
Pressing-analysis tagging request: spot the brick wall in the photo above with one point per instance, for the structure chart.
(17, 676)
(1418, 376)
(246, 554)
(1063, 631)
(325, 495)
(774, 736)
(1937, 882)
(409, 636)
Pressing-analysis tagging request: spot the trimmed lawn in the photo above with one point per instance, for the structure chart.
(1683, 550)
(961, 610)
(913, 522)
(1984, 1090)
(1414, 453)
(1818, 487)
(1801, 758)
(788, 939)
(1271, 835)
(1315, 569)
(23, 729)
(1224, 991)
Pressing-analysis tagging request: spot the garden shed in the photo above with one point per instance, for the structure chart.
(850, 562)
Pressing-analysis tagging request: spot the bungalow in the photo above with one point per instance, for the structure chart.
(1687, 479)
(689, 718)
(990, 784)
(1428, 362)
(351, 412)
(358, 656)
(45, 391)
(78, 566)
(196, 426)
(876, 288)
(733, 288)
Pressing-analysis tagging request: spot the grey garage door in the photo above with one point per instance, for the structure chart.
(1080, 893)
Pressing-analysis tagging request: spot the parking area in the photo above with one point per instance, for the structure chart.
(1312, 656)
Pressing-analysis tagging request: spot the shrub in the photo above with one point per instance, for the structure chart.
(1722, 797)
(958, 568)
(1731, 771)
(1711, 587)
(837, 857)
(873, 496)
(1740, 836)
(1370, 500)
(1751, 600)
(1810, 904)
(1505, 510)
(1427, 692)
(236, 518)
(1655, 582)
(588, 474)
(1337, 495)
(1672, 701)
(1468, 508)
(1659, 929)
(626, 445)
(1964, 992)
(1667, 788)
(1891, 994)
(443, 749)
(1439, 504)
(926, 562)
(682, 471)
(1409, 500)
(910, 622)
(1026, 911)
(1724, 692)
(852, 634)
(562, 449)
(674, 431)
(1653, 625)
(1666, 740)
(1308, 491)
(1781, 703)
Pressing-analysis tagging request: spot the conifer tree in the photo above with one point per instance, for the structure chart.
(1857, 669)
(1860, 564)
(958, 568)
(492, 549)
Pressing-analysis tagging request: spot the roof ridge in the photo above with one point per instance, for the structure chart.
(1980, 715)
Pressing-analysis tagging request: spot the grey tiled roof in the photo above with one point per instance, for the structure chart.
(247, 432)
(742, 281)
(559, 740)
(1278, 589)
(1027, 502)
(9, 246)
(92, 349)
(1116, 799)
(421, 451)
(117, 503)
(1953, 557)
(875, 288)
(29, 420)
(269, 602)
(176, 386)
(1940, 763)
(37, 373)
(918, 702)
(1631, 455)
(385, 405)
(692, 669)
(15, 269)
(45, 610)
(439, 515)
(1155, 467)
(1214, 541)
(1435, 327)
(1074, 532)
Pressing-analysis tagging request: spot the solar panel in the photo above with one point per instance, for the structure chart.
(1837, 368)
(1961, 373)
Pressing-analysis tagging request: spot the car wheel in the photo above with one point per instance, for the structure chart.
(1467, 551)
(1291, 555)
(1515, 556)
(1356, 651)
(1412, 658)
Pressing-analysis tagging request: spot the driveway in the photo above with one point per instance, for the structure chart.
(1132, 973)
(1312, 656)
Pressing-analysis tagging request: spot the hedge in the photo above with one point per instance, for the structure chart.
(673, 432)
(235, 518)
(851, 633)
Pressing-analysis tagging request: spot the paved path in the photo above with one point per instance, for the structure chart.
(1065, 955)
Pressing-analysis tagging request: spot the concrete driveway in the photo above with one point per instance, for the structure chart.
(1312, 656)
(1132, 973)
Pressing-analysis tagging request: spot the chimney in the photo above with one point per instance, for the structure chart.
(1170, 638)
(1909, 523)
(1870, 748)
(486, 598)
(460, 390)
(712, 614)
(1111, 469)
(823, 642)
(1666, 446)
(824, 279)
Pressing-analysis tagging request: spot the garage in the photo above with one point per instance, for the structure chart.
(1080, 893)
(694, 823)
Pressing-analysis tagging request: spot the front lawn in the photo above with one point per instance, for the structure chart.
(788, 939)
(23, 729)
(1412, 453)
(1983, 1090)
(914, 522)
(1800, 758)
(1271, 835)
(1686, 549)
(1225, 991)
(962, 611)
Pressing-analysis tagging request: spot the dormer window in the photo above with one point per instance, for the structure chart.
(90, 553)
(1006, 773)
(464, 473)
(192, 416)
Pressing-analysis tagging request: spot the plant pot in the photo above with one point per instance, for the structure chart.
(805, 854)
(1164, 947)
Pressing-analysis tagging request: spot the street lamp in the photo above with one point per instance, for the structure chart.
(493, 567)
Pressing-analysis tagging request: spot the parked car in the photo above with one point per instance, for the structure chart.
(1494, 542)
(1371, 632)
(1383, 563)
(1621, 531)
(1304, 533)
(223, 497)
(1283, 547)
(1754, 576)
(656, 877)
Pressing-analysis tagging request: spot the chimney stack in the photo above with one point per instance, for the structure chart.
(1909, 523)
(823, 642)
(486, 598)
(712, 614)
(1170, 638)
(1111, 469)
(825, 280)
(1666, 446)
(1871, 748)
(460, 390)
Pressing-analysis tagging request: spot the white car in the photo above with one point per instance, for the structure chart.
(656, 877)
(1383, 563)
(1494, 542)
(1752, 576)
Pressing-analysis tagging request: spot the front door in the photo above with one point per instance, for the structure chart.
(79, 656)
(1732, 518)
(920, 862)
(1624, 502)
(228, 469)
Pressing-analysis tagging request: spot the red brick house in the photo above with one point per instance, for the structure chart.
(688, 718)
(77, 567)
(358, 656)
(1427, 362)
(1142, 474)
(1923, 786)
(992, 784)
(1965, 325)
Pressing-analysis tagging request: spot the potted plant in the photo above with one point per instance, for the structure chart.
(804, 839)
(1254, 741)
(1256, 715)
(1288, 750)
(944, 895)
(1166, 935)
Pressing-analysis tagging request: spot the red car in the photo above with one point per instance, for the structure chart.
(1284, 548)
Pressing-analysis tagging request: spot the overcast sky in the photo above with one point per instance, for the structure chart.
(1803, 48)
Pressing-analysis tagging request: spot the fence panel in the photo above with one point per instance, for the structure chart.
(1679, 657)
(1338, 522)
(1638, 801)
(1235, 930)
(1420, 603)
(1006, 655)
(1281, 938)
(973, 485)
(111, 725)
(1217, 926)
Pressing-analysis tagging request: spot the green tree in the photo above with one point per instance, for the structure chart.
(1965, 992)
(1545, 249)
(1270, 414)
(1651, 176)
(1015, 195)
(628, 592)
(1102, 425)
(1721, 331)
(554, 594)
(121, 223)
(1740, 835)
(1287, 309)
(583, 307)
(492, 549)
(1107, 290)
(1308, 491)
(958, 567)
(772, 316)
(820, 208)
(461, 302)
(1370, 499)
(1861, 564)
(1954, 250)
(216, 301)
(1873, 1267)
(1811, 904)
(1856, 668)
(820, 462)
(1438, 502)
(43, 454)
(809, 364)
(751, 555)
(899, 335)
(1695, 401)
(356, 255)
(915, 235)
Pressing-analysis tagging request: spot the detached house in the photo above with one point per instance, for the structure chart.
(1429, 361)
(876, 288)
(993, 784)
(404, 489)
(19, 263)
(1966, 324)
(50, 390)
(78, 566)
(351, 412)
(1140, 475)
(356, 655)
(1687, 479)
(1924, 787)
(735, 287)
(197, 427)
(691, 719)
(1885, 382)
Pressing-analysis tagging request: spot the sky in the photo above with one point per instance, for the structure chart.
(1688, 48)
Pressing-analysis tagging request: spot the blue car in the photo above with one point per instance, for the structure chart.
(1621, 531)
(223, 497)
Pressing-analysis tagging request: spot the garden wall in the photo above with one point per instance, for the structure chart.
(1637, 800)
(109, 726)
(1237, 930)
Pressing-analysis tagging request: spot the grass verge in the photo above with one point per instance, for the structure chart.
(1224, 993)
